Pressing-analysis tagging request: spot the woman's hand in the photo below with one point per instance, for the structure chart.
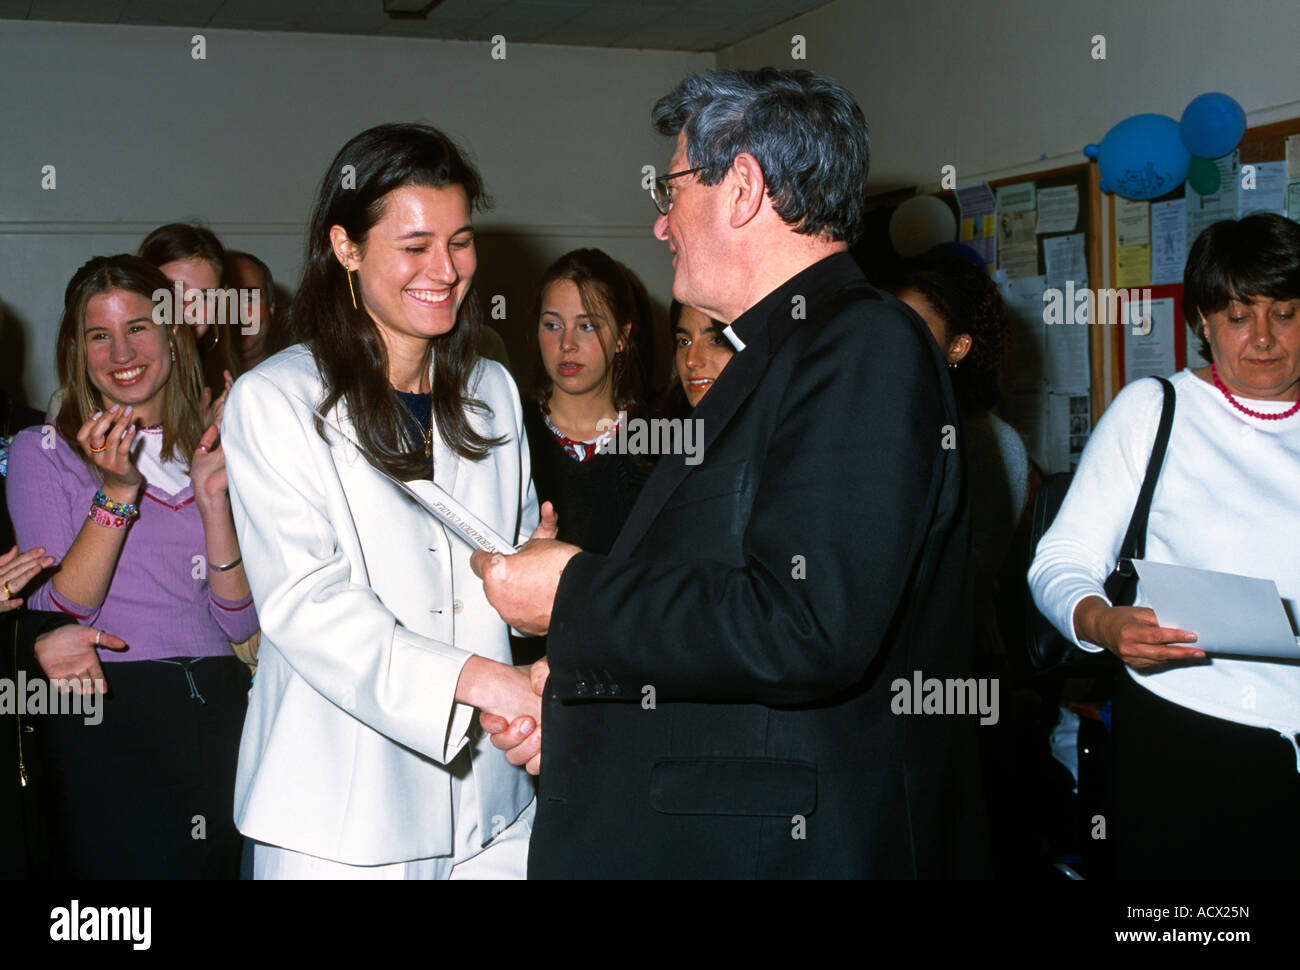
(1133, 634)
(107, 438)
(518, 739)
(68, 654)
(208, 469)
(508, 693)
(210, 411)
(16, 570)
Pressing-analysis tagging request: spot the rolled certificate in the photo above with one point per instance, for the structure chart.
(460, 520)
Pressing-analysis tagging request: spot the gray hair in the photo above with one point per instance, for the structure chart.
(806, 132)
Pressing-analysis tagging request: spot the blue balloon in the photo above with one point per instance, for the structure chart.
(1212, 125)
(1142, 157)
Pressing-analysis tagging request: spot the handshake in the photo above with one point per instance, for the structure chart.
(521, 588)
(521, 737)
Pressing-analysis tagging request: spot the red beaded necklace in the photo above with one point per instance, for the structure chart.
(1214, 374)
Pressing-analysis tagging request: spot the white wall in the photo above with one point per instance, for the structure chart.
(992, 85)
(140, 134)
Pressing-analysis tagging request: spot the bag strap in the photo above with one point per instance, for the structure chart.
(1135, 540)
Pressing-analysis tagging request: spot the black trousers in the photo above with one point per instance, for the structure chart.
(1197, 797)
(148, 793)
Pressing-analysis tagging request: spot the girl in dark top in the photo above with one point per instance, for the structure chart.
(588, 380)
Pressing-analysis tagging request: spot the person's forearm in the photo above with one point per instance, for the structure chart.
(221, 546)
(1086, 615)
(486, 684)
(86, 571)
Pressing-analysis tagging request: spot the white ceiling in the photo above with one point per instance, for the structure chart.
(681, 25)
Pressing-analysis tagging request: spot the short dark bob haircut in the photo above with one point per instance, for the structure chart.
(806, 132)
(1243, 259)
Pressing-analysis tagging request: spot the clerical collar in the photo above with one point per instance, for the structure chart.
(825, 276)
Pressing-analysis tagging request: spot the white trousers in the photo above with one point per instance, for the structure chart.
(505, 857)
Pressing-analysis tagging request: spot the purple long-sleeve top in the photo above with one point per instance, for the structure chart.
(159, 600)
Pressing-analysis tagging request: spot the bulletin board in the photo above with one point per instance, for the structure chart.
(1040, 235)
(1147, 245)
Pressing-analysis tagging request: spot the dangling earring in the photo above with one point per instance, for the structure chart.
(350, 289)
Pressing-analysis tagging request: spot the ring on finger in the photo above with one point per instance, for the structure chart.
(98, 634)
(7, 591)
(96, 451)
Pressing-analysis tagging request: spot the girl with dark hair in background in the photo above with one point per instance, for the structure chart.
(965, 313)
(358, 759)
(588, 380)
(129, 494)
(193, 255)
(700, 352)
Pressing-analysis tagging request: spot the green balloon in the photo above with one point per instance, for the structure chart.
(1203, 176)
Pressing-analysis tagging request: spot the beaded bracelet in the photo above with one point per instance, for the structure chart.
(101, 516)
(123, 509)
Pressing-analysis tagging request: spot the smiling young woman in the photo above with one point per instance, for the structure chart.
(701, 351)
(129, 495)
(377, 639)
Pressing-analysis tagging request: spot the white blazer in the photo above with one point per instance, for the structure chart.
(368, 610)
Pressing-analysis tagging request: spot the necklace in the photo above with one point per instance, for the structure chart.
(427, 436)
(1214, 374)
(582, 450)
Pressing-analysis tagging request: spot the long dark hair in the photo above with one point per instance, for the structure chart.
(607, 288)
(181, 425)
(345, 342)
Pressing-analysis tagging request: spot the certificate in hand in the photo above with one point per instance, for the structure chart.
(456, 517)
(1230, 614)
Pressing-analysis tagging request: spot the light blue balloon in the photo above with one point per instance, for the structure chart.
(1142, 157)
(1212, 125)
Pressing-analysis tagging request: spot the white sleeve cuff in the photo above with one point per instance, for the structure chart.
(1085, 645)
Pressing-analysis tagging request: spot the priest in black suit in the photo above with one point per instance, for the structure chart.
(724, 686)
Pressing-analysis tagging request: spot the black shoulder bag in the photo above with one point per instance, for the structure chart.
(1047, 650)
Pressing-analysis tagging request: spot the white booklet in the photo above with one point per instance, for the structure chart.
(1235, 615)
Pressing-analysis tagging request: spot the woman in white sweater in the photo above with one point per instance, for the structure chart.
(1206, 769)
